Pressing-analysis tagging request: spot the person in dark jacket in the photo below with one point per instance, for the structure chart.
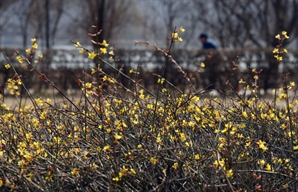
(212, 61)
(207, 44)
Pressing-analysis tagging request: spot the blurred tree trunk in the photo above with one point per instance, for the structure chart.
(100, 18)
(47, 23)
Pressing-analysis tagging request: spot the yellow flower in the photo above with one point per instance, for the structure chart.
(284, 33)
(103, 50)
(182, 137)
(277, 36)
(131, 71)
(35, 46)
(149, 106)
(140, 146)
(107, 147)
(88, 85)
(268, 167)
(174, 35)
(93, 71)
(202, 64)
(116, 179)
(261, 162)
(229, 173)
(133, 171)
(91, 55)
(28, 50)
(176, 165)
(241, 81)
(40, 55)
(7, 66)
(20, 59)
(153, 160)
(104, 43)
(77, 44)
(33, 40)
(161, 80)
(244, 114)
(117, 137)
(197, 157)
(275, 50)
(278, 58)
(292, 83)
(262, 145)
(105, 78)
(48, 176)
(285, 51)
(82, 50)
(182, 30)
(180, 39)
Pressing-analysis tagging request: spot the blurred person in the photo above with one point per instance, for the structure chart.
(207, 43)
(212, 61)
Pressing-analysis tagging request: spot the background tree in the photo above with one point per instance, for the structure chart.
(6, 8)
(109, 16)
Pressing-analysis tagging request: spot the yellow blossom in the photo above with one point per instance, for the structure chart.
(230, 173)
(7, 66)
(241, 81)
(28, 50)
(133, 171)
(268, 167)
(91, 55)
(161, 80)
(40, 55)
(35, 46)
(117, 137)
(197, 157)
(244, 114)
(182, 30)
(153, 160)
(284, 33)
(82, 50)
(261, 162)
(116, 179)
(103, 50)
(262, 145)
(202, 64)
(107, 147)
(182, 137)
(277, 36)
(93, 71)
(20, 59)
(88, 85)
(180, 39)
(174, 35)
(77, 44)
(104, 43)
(175, 165)
(275, 50)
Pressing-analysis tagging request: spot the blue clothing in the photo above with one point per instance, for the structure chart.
(209, 45)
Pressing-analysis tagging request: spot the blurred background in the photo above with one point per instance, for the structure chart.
(244, 31)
